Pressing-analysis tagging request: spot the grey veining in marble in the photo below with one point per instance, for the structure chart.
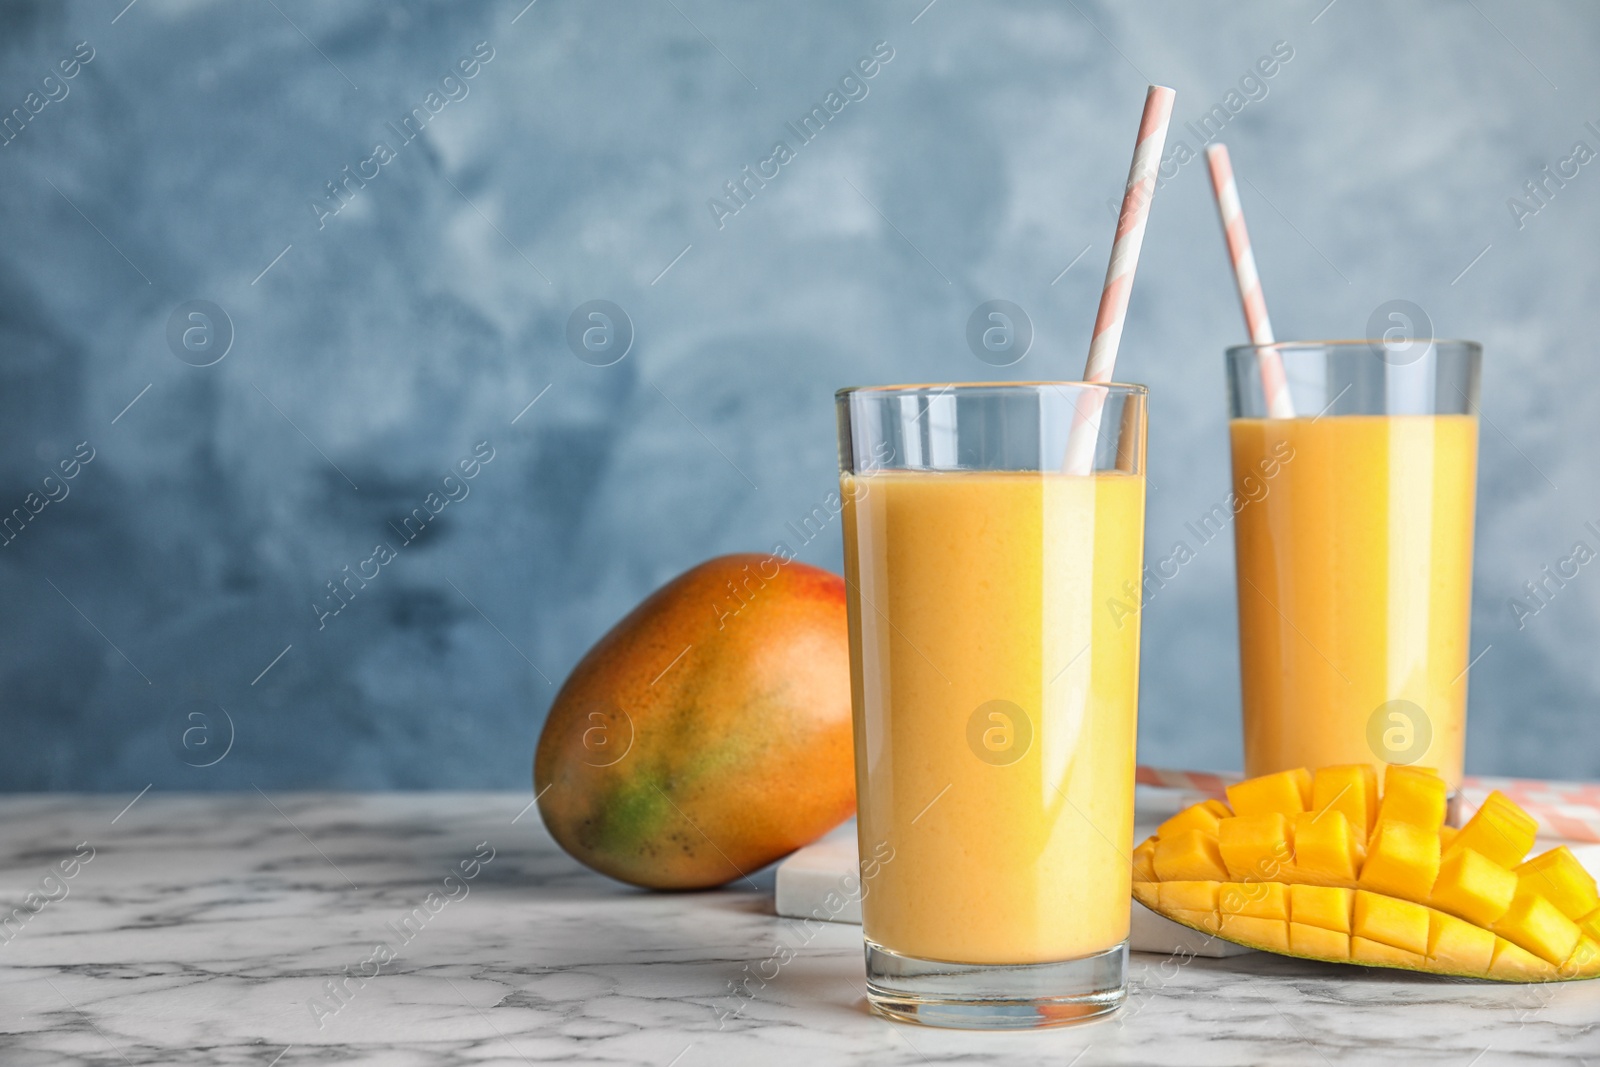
(205, 930)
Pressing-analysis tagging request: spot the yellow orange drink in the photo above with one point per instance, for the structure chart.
(1354, 585)
(994, 639)
(997, 689)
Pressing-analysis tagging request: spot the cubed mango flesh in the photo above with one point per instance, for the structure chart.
(1189, 896)
(1402, 861)
(1209, 921)
(1413, 796)
(1284, 793)
(1585, 959)
(1325, 845)
(1255, 847)
(1472, 886)
(1144, 867)
(1458, 946)
(1318, 943)
(1398, 923)
(1305, 883)
(1351, 788)
(1514, 964)
(1559, 878)
(1366, 950)
(1535, 924)
(1326, 906)
(1500, 830)
(1270, 934)
(1189, 856)
(1264, 900)
(1202, 816)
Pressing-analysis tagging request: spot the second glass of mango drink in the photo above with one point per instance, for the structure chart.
(995, 689)
(1354, 467)
(1354, 550)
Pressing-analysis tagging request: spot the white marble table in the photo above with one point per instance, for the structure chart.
(205, 930)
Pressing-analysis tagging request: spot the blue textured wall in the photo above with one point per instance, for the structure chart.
(373, 347)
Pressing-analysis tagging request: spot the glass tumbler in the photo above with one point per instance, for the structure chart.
(994, 637)
(1353, 544)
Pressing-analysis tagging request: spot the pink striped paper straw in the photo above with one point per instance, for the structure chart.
(1273, 383)
(1119, 273)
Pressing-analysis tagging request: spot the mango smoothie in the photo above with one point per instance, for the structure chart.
(1355, 577)
(995, 675)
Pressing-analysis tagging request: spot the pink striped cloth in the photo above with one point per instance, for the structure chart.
(1568, 810)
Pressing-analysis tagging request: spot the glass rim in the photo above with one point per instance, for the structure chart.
(1352, 342)
(941, 388)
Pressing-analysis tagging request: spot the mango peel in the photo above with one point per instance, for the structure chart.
(1321, 867)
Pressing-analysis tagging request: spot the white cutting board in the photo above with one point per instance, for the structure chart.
(811, 883)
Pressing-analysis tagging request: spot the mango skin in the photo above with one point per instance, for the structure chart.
(689, 774)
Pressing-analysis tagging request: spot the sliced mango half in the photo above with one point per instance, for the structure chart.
(1323, 867)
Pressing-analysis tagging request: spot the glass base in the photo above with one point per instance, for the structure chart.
(996, 996)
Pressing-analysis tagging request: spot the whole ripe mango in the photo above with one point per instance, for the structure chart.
(708, 733)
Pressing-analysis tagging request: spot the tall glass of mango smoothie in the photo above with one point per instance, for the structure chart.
(1353, 544)
(994, 640)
